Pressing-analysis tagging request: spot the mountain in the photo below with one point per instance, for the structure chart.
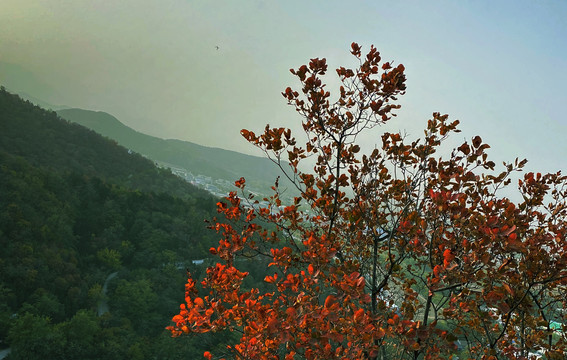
(41, 103)
(222, 166)
(76, 208)
(47, 141)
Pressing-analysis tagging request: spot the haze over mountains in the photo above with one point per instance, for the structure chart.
(211, 168)
(28, 86)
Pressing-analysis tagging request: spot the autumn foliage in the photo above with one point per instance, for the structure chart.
(400, 253)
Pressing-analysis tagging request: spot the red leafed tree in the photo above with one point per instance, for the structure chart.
(400, 253)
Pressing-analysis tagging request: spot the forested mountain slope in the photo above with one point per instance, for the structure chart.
(216, 163)
(47, 141)
(74, 208)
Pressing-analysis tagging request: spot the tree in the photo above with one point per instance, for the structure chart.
(35, 337)
(81, 334)
(396, 254)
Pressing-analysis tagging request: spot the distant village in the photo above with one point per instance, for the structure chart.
(217, 187)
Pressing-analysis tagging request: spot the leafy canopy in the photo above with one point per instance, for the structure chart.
(395, 254)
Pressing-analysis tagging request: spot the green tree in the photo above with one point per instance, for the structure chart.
(131, 299)
(34, 337)
(109, 258)
(81, 335)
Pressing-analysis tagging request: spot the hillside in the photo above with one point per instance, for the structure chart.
(222, 166)
(47, 141)
(74, 208)
(39, 102)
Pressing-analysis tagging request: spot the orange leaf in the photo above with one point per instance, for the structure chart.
(290, 311)
(271, 279)
(508, 289)
(329, 301)
(437, 270)
(448, 257)
(199, 302)
(510, 230)
(358, 315)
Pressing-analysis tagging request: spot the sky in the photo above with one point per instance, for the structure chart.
(202, 70)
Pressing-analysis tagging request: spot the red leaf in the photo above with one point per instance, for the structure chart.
(477, 140)
(240, 183)
(310, 269)
(509, 230)
(271, 279)
(358, 315)
(329, 301)
(448, 257)
(437, 270)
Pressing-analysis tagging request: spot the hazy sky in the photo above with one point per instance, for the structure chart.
(498, 66)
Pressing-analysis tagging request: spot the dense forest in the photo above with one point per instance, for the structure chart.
(76, 211)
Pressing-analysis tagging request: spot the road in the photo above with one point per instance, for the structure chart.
(103, 304)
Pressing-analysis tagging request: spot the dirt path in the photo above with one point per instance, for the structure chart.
(103, 304)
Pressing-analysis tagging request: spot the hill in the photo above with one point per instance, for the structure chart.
(193, 161)
(75, 208)
(40, 103)
(47, 141)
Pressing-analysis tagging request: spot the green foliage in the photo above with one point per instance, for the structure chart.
(34, 337)
(81, 334)
(109, 258)
(75, 207)
(135, 300)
